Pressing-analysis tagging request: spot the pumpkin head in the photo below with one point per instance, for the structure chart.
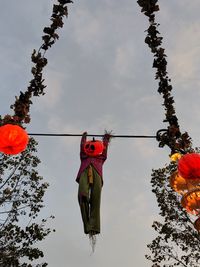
(189, 166)
(13, 139)
(93, 147)
(181, 185)
(191, 201)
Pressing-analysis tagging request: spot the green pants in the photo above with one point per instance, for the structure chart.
(89, 197)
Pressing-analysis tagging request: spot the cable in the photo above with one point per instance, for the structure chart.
(96, 135)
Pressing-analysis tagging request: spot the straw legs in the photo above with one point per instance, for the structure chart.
(89, 197)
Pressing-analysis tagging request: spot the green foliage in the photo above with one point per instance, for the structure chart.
(21, 199)
(177, 243)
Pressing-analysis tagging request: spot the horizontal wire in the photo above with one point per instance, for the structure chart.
(96, 135)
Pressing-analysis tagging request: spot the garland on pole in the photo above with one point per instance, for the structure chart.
(21, 188)
(172, 136)
(36, 86)
(178, 240)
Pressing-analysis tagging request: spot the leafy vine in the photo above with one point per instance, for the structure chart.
(178, 242)
(36, 86)
(172, 136)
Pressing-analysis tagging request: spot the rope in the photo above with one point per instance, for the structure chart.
(96, 135)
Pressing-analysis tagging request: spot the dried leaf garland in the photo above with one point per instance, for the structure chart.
(36, 86)
(172, 136)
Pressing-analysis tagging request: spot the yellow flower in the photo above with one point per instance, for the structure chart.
(175, 156)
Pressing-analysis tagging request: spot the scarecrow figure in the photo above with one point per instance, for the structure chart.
(93, 154)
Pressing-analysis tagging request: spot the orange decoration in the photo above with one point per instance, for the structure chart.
(197, 224)
(93, 148)
(191, 201)
(175, 156)
(13, 139)
(178, 183)
(181, 185)
(189, 166)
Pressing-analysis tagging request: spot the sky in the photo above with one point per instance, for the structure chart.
(99, 76)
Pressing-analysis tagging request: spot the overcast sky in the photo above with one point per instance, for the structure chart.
(100, 77)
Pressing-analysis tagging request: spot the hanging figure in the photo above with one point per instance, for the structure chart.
(93, 154)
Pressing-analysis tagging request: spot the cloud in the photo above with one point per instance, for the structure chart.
(184, 58)
(53, 91)
(87, 29)
(124, 59)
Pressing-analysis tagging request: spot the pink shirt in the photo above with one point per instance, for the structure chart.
(97, 161)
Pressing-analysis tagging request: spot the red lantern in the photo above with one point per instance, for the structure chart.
(191, 201)
(13, 139)
(93, 148)
(189, 166)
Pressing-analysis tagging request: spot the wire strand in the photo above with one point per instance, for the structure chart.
(92, 135)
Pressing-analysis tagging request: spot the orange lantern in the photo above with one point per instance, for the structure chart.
(181, 185)
(93, 148)
(191, 201)
(13, 139)
(178, 183)
(189, 166)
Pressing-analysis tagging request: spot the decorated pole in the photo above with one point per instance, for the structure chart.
(183, 171)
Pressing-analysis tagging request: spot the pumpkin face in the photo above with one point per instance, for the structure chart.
(189, 166)
(93, 148)
(13, 139)
(191, 201)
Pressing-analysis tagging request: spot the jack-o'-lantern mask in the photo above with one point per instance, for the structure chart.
(93, 147)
